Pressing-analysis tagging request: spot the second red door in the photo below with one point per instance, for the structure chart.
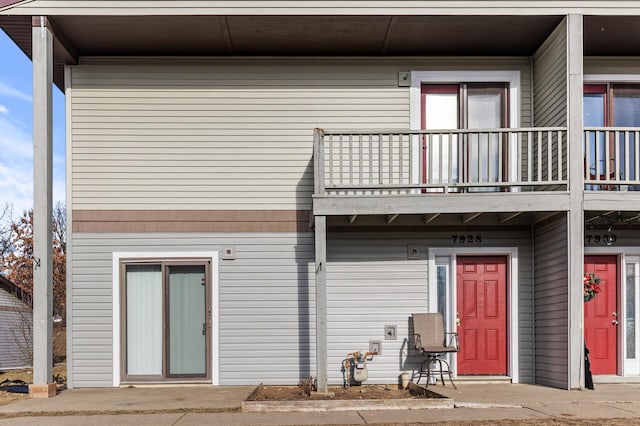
(601, 315)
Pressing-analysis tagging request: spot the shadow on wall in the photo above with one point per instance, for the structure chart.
(305, 258)
(409, 359)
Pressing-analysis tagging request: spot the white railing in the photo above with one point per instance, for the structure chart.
(612, 158)
(407, 162)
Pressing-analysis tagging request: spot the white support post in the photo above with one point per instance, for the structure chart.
(321, 302)
(42, 56)
(576, 186)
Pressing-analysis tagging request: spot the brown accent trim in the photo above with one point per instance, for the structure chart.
(102, 221)
(15, 309)
(7, 3)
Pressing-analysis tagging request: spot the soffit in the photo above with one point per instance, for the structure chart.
(611, 35)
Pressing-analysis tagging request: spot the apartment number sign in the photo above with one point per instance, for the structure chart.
(607, 239)
(467, 239)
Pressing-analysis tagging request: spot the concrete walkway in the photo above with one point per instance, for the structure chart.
(207, 405)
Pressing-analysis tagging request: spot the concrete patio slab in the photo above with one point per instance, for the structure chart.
(298, 418)
(139, 399)
(97, 420)
(583, 410)
(458, 414)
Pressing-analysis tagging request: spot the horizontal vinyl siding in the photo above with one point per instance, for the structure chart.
(612, 66)
(371, 283)
(266, 309)
(228, 134)
(550, 80)
(551, 305)
(13, 318)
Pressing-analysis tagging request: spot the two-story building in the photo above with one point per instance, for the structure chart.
(257, 189)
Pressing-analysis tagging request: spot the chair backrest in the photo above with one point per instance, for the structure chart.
(430, 328)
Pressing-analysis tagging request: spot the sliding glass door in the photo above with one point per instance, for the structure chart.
(167, 320)
(478, 157)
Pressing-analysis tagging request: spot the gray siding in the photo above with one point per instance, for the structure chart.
(550, 80)
(267, 321)
(371, 283)
(229, 134)
(551, 305)
(266, 309)
(12, 319)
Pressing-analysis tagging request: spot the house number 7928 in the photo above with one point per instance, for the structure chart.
(466, 239)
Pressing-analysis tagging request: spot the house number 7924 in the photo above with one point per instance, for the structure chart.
(466, 239)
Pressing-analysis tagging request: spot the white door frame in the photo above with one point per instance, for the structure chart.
(213, 256)
(512, 294)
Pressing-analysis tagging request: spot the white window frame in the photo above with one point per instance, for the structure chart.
(117, 257)
(513, 369)
(630, 366)
(418, 78)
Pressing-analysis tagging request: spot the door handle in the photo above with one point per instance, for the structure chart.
(204, 328)
(614, 322)
(457, 319)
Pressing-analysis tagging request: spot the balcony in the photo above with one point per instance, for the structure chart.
(419, 171)
(612, 157)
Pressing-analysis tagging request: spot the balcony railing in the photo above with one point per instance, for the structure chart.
(440, 161)
(612, 158)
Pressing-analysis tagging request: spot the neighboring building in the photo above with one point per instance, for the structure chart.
(15, 326)
(215, 237)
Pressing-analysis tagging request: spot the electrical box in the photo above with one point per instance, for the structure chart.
(375, 346)
(404, 79)
(390, 332)
(229, 253)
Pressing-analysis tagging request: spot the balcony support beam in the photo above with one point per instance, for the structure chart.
(504, 218)
(42, 41)
(575, 237)
(470, 216)
(432, 204)
(321, 303)
(428, 218)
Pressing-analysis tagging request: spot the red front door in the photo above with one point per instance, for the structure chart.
(600, 315)
(482, 309)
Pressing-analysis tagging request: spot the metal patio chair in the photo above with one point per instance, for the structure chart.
(433, 343)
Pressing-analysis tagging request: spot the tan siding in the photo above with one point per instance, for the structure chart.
(550, 80)
(629, 66)
(221, 134)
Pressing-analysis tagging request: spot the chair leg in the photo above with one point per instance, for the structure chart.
(448, 371)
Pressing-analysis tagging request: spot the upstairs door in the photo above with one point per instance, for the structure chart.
(482, 314)
(450, 158)
(601, 316)
(611, 105)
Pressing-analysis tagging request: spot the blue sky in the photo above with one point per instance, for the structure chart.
(16, 135)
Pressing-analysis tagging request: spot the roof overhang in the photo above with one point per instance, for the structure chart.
(237, 35)
(280, 35)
